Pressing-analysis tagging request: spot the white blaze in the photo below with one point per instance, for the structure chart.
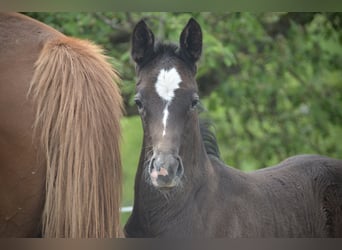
(167, 83)
(165, 115)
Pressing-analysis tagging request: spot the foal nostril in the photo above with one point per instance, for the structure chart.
(180, 168)
(151, 166)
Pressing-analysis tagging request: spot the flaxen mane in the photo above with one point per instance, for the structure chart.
(77, 122)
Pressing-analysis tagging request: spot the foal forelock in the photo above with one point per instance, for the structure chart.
(167, 83)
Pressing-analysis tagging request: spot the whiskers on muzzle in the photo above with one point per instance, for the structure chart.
(164, 171)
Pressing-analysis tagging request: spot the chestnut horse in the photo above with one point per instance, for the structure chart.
(183, 188)
(60, 106)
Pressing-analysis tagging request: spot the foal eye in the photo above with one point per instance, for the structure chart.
(194, 101)
(138, 103)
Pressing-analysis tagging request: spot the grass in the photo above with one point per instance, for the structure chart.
(132, 135)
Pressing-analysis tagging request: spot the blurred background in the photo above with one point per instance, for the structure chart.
(270, 82)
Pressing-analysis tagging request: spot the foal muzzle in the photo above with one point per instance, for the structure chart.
(165, 170)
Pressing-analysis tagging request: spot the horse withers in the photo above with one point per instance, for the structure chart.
(60, 105)
(182, 187)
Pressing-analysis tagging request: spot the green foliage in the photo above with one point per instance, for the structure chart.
(286, 99)
(272, 82)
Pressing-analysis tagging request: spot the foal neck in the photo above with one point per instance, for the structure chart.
(197, 165)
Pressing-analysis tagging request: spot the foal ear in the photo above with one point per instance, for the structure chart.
(142, 42)
(191, 40)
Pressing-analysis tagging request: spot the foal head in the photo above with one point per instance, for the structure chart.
(166, 97)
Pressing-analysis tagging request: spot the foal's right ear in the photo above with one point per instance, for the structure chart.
(142, 42)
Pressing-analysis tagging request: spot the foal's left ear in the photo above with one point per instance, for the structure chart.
(191, 40)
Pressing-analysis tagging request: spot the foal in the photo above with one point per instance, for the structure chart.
(183, 189)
